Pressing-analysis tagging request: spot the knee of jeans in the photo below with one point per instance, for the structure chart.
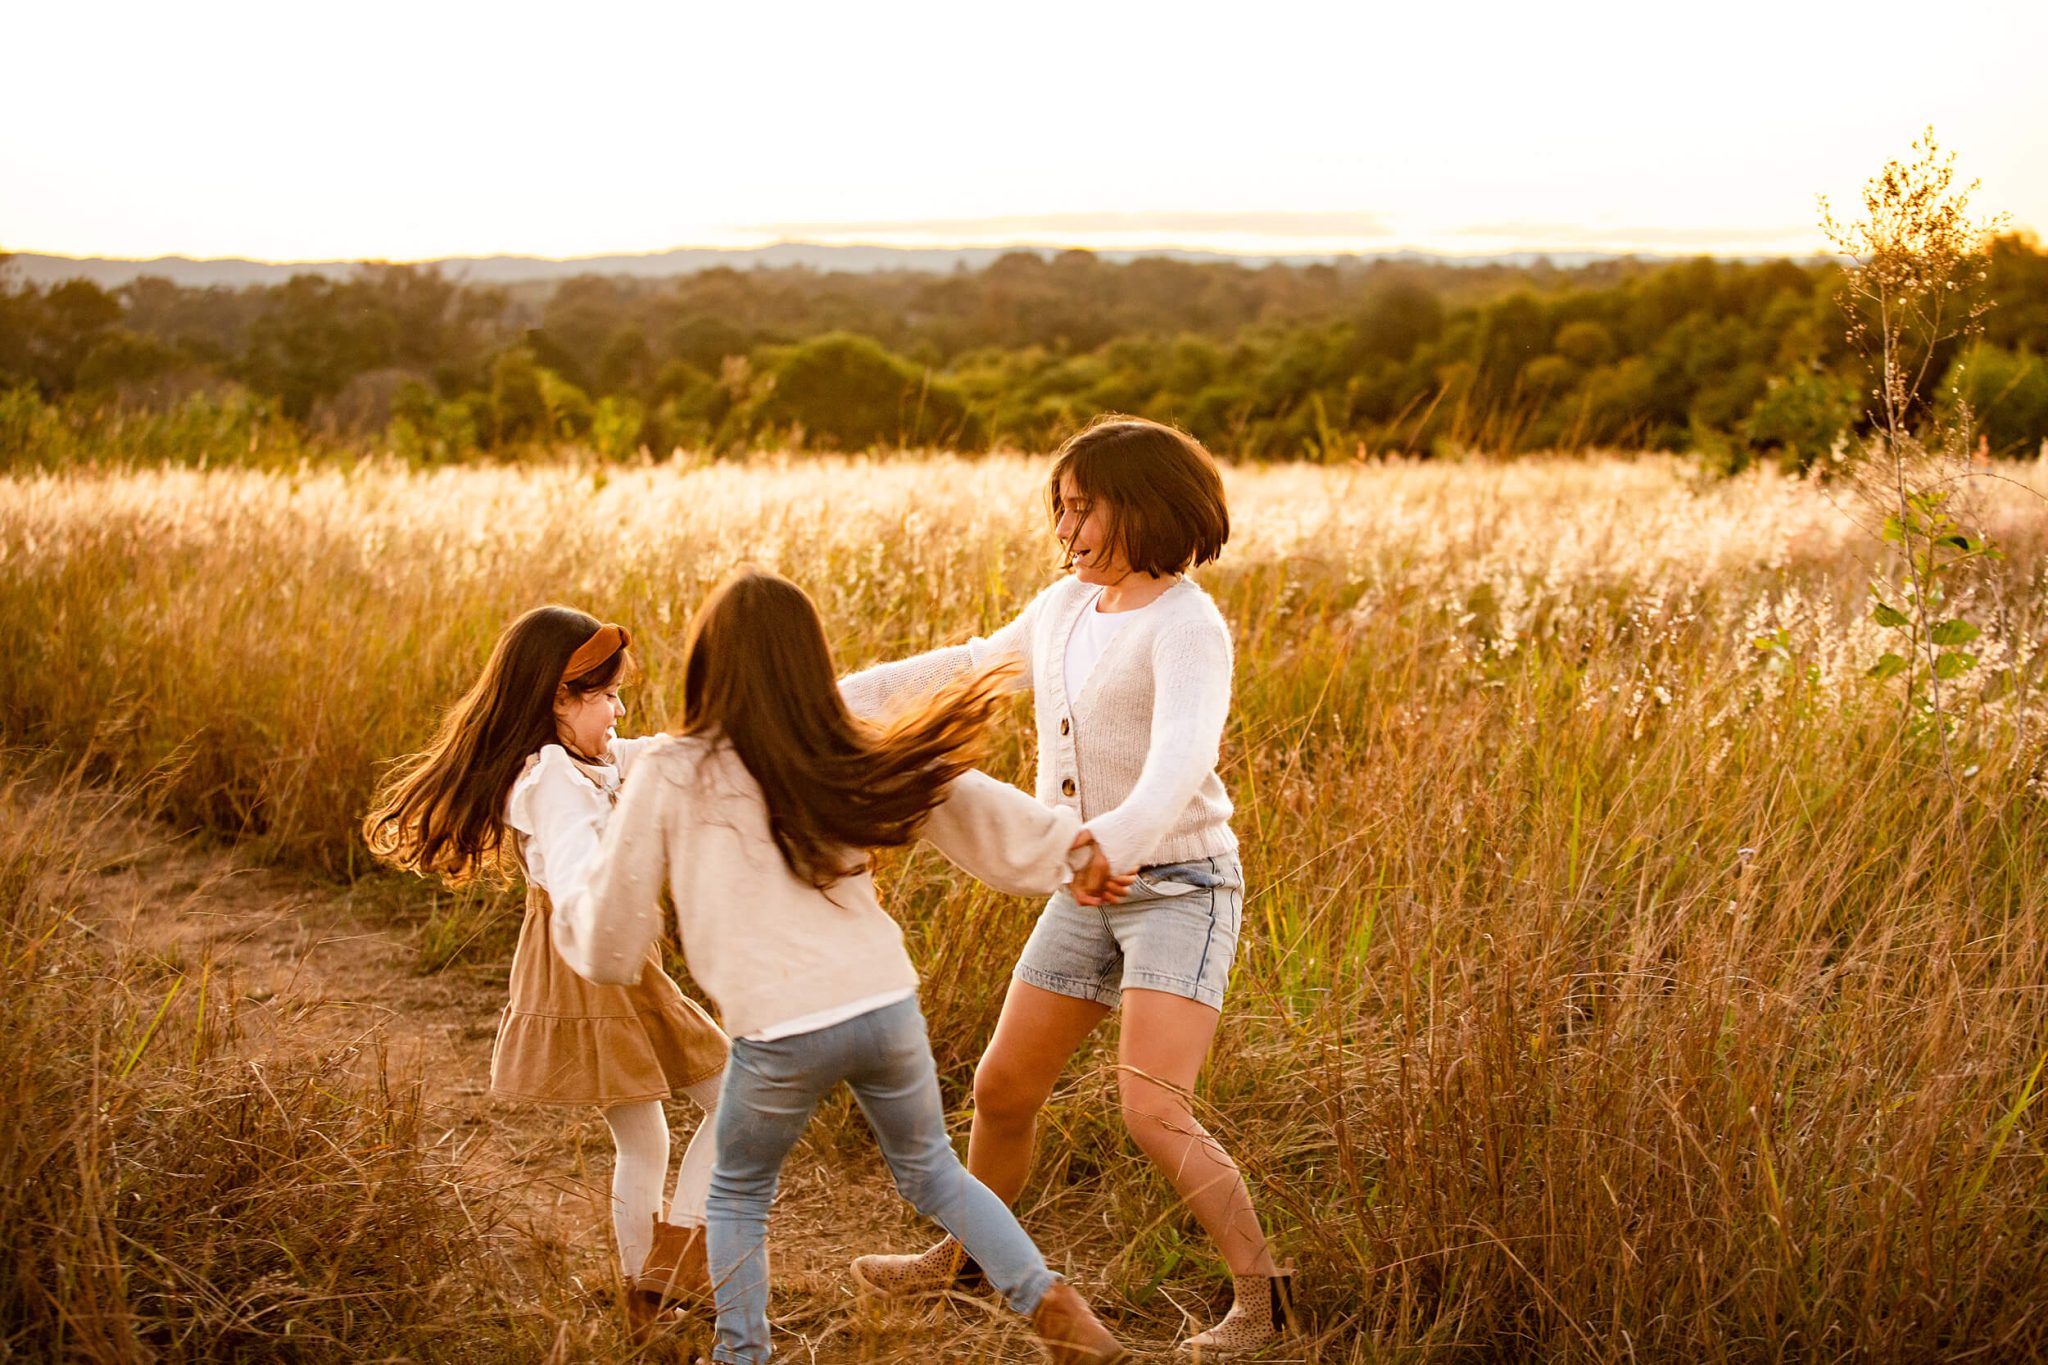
(741, 1190)
(930, 1181)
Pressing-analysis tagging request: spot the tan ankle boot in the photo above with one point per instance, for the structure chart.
(1070, 1332)
(937, 1269)
(677, 1270)
(1262, 1315)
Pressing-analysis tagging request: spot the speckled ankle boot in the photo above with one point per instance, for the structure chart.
(935, 1270)
(1262, 1315)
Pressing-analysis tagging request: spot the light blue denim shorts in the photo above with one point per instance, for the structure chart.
(1175, 932)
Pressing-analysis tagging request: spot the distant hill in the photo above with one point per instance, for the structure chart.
(236, 273)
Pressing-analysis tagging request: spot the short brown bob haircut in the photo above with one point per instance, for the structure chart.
(1155, 485)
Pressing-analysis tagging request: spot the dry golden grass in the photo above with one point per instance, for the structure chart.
(1611, 990)
(171, 1193)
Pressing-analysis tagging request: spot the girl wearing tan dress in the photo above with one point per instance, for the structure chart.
(524, 772)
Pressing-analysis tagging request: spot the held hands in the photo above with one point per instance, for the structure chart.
(1095, 884)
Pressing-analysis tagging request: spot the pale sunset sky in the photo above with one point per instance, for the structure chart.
(418, 130)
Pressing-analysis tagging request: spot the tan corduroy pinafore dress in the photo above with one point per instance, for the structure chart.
(565, 1040)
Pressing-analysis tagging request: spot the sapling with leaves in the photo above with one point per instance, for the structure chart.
(1914, 291)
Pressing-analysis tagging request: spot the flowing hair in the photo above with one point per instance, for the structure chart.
(758, 676)
(442, 811)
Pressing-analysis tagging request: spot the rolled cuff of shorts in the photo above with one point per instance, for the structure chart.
(1101, 992)
(1173, 985)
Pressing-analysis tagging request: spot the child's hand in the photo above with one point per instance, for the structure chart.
(1095, 884)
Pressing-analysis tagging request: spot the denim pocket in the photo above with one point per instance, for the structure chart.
(1176, 879)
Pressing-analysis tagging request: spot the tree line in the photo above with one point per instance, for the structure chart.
(1738, 361)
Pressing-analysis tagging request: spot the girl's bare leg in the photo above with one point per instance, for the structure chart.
(1164, 1042)
(1038, 1031)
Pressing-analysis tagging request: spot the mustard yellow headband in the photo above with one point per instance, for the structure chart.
(592, 653)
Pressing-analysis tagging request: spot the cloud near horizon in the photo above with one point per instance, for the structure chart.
(1313, 224)
(1281, 231)
(1587, 235)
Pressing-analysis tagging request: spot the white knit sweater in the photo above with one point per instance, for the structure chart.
(1134, 755)
(766, 946)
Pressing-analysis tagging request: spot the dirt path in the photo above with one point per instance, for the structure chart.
(317, 967)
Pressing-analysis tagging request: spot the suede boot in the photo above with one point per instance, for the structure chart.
(677, 1270)
(1069, 1331)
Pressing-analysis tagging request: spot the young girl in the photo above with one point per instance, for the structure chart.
(1130, 665)
(531, 752)
(757, 818)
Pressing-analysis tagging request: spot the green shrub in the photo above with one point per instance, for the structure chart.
(2008, 395)
(1800, 416)
(846, 392)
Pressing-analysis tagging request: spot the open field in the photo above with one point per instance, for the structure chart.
(1613, 989)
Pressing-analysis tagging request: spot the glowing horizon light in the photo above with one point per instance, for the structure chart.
(236, 130)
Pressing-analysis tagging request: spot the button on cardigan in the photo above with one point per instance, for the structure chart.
(1135, 753)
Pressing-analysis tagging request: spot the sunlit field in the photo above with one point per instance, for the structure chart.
(1620, 981)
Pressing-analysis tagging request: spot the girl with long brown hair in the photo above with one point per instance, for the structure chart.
(758, 818)
(523, 775)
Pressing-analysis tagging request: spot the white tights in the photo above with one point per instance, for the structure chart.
(640, 1133)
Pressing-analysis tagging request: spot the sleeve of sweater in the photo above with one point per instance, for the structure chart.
(1191, 664)
(998, 835)
(561, 813)
(875, 693)
(604, 932)
(628, 751)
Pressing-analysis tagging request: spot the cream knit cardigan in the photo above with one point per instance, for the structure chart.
(766, 946)
(1134, 755)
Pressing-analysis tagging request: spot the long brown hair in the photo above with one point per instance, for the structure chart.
(758, 675)
(442, 810)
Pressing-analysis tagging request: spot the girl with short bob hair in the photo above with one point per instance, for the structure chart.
(1153, 489)
(757, 817)
(522, 775)
(1129, 664)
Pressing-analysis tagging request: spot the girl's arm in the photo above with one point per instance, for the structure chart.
(561, 813)
(1190, 703)
(998, 835)
(873, 693)
(605, 931)
(625, 751)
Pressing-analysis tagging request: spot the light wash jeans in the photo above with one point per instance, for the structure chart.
(771, 1090)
